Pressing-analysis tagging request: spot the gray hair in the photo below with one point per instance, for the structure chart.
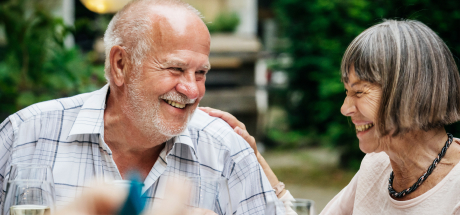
(417, 72)
(130, 29)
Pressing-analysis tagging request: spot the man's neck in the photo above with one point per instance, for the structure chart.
(131, 149)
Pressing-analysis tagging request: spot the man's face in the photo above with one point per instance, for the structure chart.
(166, 89)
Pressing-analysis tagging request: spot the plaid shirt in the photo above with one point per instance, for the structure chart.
(68, 135)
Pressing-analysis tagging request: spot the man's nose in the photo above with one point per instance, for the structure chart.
(348, 108)
(188, 86)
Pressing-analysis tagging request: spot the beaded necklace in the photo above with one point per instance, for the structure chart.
(422, 178)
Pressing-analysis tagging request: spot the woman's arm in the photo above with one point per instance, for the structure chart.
(343, 202)
(240, 129)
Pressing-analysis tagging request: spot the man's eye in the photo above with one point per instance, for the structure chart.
(201, 72)
(176, 69)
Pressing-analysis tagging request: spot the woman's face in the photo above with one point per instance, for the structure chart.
(361, 105)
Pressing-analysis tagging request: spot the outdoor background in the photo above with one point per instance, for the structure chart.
(276, 66)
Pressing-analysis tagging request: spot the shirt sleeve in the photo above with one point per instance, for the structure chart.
(287, 200)
(456, 210)
(343, 202)
(6, 141)
(250, 189)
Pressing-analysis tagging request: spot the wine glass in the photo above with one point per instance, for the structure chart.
(210, 193)
(29, 197)
(304, 207)
(30, 171)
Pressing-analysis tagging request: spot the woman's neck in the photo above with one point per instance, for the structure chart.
(412, 154)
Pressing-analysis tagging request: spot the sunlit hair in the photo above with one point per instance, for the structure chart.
(131, 29)
(418, 75)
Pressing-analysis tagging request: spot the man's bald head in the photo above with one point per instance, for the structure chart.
(132, 27)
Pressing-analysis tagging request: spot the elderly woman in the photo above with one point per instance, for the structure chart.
(402, 87)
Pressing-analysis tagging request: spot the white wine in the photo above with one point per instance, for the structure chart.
(29, 210)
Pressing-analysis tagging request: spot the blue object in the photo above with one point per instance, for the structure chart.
(134, 204)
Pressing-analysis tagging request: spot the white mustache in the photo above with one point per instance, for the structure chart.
(177, 97)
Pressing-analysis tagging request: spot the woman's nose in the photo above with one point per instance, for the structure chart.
(348, 108)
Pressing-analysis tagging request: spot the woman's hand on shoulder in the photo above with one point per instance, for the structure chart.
(237, 126)
(240, 129)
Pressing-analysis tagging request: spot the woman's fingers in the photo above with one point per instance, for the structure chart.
(227, 117)
(237, 126)
(206, 109)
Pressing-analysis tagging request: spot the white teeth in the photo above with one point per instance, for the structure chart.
(175, 104)
(364, 127)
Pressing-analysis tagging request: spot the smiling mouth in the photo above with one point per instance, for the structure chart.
(364, 127)
(175, 104)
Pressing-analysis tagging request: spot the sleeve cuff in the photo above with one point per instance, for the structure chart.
(287, 200)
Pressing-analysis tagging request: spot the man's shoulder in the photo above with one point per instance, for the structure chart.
(62, 104)
(203, 122)
(216, 131)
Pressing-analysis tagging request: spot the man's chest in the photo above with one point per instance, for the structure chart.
(78, 163)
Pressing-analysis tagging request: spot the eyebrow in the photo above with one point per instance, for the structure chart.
(206, 66)
(173, 63)
(180, 63)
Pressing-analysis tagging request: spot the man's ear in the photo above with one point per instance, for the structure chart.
(118, 64)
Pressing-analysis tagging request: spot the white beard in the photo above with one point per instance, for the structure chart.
(145, 113)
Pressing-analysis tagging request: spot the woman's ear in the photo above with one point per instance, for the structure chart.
(118, 64)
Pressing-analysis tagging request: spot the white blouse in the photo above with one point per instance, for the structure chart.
(367, 193)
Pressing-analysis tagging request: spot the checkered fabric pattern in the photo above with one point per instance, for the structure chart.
(68, 135)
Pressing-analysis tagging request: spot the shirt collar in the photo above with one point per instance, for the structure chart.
(90, 118)
(185, 138)
(182, 138)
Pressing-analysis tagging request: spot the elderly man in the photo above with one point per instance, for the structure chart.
(156, 63)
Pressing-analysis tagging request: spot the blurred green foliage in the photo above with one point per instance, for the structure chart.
(225, 22)
(319, 32)
(34, 64)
